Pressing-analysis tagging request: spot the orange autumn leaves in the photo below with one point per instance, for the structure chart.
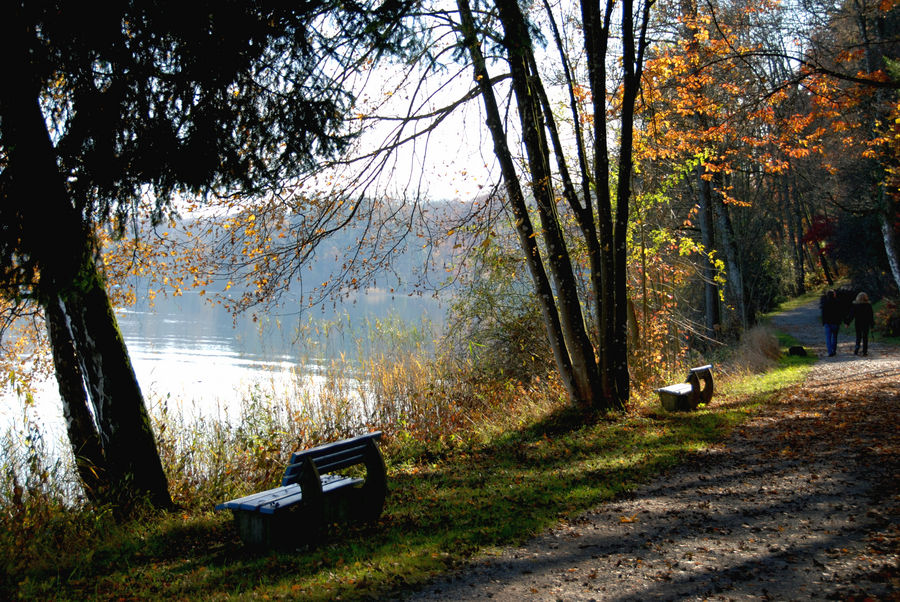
(715, 93)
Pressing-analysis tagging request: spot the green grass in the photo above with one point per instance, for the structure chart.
(796, 302)
(445, 505)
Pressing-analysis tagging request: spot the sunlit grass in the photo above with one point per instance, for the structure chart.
(796, 302)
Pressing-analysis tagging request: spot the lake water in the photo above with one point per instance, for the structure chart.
(199, 359)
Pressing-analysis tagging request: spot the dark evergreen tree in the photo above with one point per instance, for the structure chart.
(101, 107)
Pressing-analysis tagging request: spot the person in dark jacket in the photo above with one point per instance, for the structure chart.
(831, 319)
(861, 314)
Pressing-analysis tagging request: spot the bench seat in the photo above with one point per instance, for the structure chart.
(281, 498)
(679, 389)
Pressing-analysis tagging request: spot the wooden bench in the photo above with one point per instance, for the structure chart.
(688, 395)
(314, 494)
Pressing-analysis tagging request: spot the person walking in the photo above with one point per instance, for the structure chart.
(831, 319)
(861, 313)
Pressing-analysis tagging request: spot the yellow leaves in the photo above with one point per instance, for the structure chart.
(582, 93)
(628, 519)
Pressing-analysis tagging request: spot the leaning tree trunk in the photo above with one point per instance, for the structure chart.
(125, 429)
(84, 439)
(57, 238)
(524, 227)
(526, 85)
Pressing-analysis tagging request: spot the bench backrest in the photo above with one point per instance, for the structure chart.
(702, 373)
(332, 457)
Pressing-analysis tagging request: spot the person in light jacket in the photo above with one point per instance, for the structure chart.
(861, 314)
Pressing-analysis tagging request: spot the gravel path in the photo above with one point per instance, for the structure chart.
(802, 502)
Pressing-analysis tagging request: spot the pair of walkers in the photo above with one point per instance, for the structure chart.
(860, 313)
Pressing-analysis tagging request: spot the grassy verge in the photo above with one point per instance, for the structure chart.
(446, 504)
(795, 302)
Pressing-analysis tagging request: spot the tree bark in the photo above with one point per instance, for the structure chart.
(596, 43)
(733, 261)
(84, 439)
(632, 61)
(527, 89)
(604, 385)
(886, 219)
(125, 429)
(710, 290)
(793, 218)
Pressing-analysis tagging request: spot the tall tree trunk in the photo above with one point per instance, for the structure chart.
(886, 218)
(531, 118)
(583, 210)
(633, 48)
(528, 93)
(820, 255)
(125, 428)
(58, 238)
(732, 261)
(596, 26)
(710, 290)
(875, 32)
(793, 217)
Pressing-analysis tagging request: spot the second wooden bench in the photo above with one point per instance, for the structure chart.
(688, 395)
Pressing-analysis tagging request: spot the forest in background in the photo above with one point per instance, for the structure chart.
(651, 177)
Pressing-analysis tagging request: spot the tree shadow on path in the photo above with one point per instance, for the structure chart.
(802, 502)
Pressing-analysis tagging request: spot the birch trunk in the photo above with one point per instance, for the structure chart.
(81, 429)
(890, 245)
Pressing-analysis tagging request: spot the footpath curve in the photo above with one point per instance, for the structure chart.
(802, 502)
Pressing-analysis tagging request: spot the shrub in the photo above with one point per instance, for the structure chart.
(887, 318)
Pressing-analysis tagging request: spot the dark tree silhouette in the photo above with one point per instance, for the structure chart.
(143, 99)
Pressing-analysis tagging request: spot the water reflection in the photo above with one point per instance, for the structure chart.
(198, 359)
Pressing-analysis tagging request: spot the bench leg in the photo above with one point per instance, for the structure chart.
(286, 530)
(255, 529)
